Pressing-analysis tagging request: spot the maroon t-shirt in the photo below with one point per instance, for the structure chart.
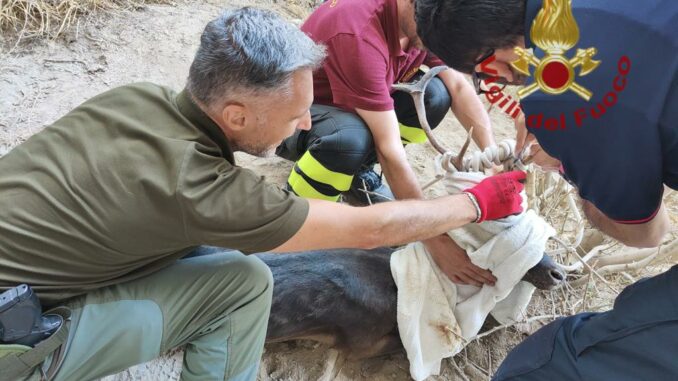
(364, 54)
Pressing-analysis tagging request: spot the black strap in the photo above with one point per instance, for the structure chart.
(17, 365)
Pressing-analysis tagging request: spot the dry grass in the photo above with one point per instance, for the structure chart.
(51, 18)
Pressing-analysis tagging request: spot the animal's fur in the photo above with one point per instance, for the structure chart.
(347, 298)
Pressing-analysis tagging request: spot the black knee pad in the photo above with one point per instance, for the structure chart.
(436, 99)
(329, 154)
(288, 148)
(346, 149)
(338, 139)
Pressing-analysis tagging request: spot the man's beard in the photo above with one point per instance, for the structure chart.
(257, 150)
(266, 152)
(255, 147)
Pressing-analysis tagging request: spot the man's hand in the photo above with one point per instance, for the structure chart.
(526, 142)
(499, 196)
(523, 137)
(455, 263)
(543, 160)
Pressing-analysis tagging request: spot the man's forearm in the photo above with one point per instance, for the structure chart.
(400, 176)
(407, 187)
(468, 108)
(649, 234)
(417, 220)
(330, 225)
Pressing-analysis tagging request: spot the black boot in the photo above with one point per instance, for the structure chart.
(367, 188)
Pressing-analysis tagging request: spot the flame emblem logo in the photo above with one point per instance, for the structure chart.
(555, 31)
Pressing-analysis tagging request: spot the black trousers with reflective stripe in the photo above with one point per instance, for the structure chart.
(342, 144)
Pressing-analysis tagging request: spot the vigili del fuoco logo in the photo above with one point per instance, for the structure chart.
(555, 31)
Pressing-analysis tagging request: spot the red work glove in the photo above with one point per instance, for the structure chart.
(499, 196)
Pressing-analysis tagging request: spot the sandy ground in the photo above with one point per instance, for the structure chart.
(42, 80)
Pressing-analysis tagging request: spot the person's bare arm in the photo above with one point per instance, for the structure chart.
(649, 234)
(331, 225)
(468, 108)
(391, 154)
(523, 136)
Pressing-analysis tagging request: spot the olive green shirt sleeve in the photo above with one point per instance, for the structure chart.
(228, 206)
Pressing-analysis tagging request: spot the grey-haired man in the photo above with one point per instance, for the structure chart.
(104, 212)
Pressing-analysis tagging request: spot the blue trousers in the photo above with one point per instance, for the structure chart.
(637, 340)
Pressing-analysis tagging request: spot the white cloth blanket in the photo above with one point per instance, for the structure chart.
(436, 317)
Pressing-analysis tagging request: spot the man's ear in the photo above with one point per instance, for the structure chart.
(234, 116)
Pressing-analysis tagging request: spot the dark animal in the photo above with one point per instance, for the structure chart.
(347, 298)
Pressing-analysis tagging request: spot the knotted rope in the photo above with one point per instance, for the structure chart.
(478, 161)
(502, 154)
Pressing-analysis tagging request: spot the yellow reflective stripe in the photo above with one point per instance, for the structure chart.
(316, 171)
(412, 134)
(303, 189)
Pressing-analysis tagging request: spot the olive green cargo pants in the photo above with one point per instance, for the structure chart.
(216, 303)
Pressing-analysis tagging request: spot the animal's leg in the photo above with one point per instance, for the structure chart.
(386, 345)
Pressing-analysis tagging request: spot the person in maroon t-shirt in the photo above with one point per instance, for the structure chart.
(357, 120)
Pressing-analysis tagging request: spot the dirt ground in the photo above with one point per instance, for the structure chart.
(43, 79)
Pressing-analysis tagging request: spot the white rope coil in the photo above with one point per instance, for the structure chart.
(478, 161)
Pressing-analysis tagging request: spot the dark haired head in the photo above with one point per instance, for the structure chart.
(460, 31)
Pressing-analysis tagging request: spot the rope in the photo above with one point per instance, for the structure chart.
(478, 161)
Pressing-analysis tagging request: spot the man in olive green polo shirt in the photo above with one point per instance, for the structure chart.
(104, 211)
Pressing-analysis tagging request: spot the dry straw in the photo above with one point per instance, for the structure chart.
(50, 18)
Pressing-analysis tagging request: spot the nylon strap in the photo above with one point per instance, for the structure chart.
(17, 365)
